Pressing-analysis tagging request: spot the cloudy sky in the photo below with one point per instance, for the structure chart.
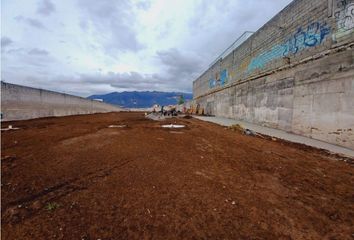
(86, 47)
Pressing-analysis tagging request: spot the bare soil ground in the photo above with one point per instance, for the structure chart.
(75, 178)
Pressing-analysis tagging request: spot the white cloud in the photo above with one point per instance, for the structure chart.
(36, 51)
(45, 7)
(31, 22)
(112, 23)
(5, 42)
(95, 46)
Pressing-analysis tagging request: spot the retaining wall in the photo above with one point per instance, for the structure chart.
(20, 102)
(296, 73)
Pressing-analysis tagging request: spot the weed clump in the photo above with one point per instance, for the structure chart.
(51, 206)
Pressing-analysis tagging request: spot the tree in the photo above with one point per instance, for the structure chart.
(181, 100)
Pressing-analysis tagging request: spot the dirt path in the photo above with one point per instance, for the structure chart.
(75, 178)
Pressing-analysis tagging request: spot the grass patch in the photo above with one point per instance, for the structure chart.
(51, 206)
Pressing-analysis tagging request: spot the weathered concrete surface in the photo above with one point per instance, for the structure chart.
(320, 107)
(295, 75)
(20, 102)
(280, 134)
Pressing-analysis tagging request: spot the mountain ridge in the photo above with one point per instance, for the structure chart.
(141, 99)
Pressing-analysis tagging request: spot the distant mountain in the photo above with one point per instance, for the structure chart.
(142, 99)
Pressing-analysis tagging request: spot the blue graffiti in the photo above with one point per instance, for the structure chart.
(262, 59)
(224, 78)
(212, 83)
(312, 36)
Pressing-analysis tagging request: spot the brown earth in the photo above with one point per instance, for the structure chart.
(75, 178)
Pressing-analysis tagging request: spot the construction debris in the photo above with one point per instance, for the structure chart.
(155, 116)
(160, 113)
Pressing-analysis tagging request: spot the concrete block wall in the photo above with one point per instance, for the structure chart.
(296, 73)
(20, 103)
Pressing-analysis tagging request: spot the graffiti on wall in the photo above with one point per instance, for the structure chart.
(262, 59)
(312, 35)
(220, 79)
(344, 14)
(223, 77)
(212, 83)
(242, 68)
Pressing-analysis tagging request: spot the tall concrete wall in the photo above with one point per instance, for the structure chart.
(296, 73)
(20, 102)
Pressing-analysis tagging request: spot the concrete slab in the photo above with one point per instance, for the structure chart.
(280, 134)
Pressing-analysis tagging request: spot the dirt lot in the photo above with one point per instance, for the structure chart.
(75, 178)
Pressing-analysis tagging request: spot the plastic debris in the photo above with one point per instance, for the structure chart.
(9, 128)
(249, 132)
(173, 126)
(117, 126)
